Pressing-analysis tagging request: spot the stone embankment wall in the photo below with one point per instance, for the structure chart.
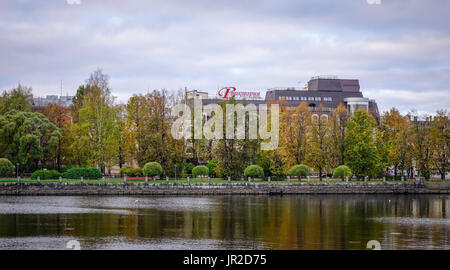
(255, 188)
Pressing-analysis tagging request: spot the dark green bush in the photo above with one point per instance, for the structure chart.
(188, 168)
(46, 174)
(299, 170)
(65, 168)
(130, 171)
(342, 171)
(200, 170)
(6, 167)
(212, 167)
(86, 173)
(254, 171)
(152, 169)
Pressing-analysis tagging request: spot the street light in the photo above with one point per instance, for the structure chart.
(17, 169)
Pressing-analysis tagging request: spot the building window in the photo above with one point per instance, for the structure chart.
(317, 98)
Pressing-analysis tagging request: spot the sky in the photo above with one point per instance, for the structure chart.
(398, 49)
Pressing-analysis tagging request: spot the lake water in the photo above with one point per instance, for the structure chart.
(226, 222)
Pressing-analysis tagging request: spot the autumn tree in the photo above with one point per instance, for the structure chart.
(440, 138)
(147, 131)
(318, 143)
(420, 145)
(62, 118)
(234, 155)
(293, 134)
(338, 127)
(394, 133)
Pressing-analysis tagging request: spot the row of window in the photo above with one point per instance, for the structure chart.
(305, 98)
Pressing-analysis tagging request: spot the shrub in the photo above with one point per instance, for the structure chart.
(46, 174)
(137, 172)
(94, 173)
(87, 173)
(299, 170)
(188, 168)
(130, 171)
(152, 169)
(6, 167)
(200, 170)
(213, 167)
(342, 171)
(65, 168)
(254, 171)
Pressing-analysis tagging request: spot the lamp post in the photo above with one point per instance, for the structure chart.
(17, 169)
(175, 171)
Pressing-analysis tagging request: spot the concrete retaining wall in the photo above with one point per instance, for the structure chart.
(265, 188)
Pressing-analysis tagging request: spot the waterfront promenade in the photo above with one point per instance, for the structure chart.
(221, 188)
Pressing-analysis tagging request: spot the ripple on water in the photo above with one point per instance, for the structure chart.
(414, 221)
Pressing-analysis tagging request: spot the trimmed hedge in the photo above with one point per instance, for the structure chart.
(6, 167)
(200, 170)
(299, 170)
(254, 171)
(130, 171)
(152, 169)
(86, 173)
(342, 171)
(46, 174)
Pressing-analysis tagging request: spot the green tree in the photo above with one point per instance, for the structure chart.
(6, 167)
(361, 153)
(212, 165)
(97, 132)
(28, 138)
(18, 99)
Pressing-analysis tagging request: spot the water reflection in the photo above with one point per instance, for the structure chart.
(226, 222)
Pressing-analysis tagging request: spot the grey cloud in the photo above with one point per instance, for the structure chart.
(396, 48)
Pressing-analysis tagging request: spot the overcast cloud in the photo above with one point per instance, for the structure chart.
(399, 50)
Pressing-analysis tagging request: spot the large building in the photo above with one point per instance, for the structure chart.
(41, 102)
(327, 91)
